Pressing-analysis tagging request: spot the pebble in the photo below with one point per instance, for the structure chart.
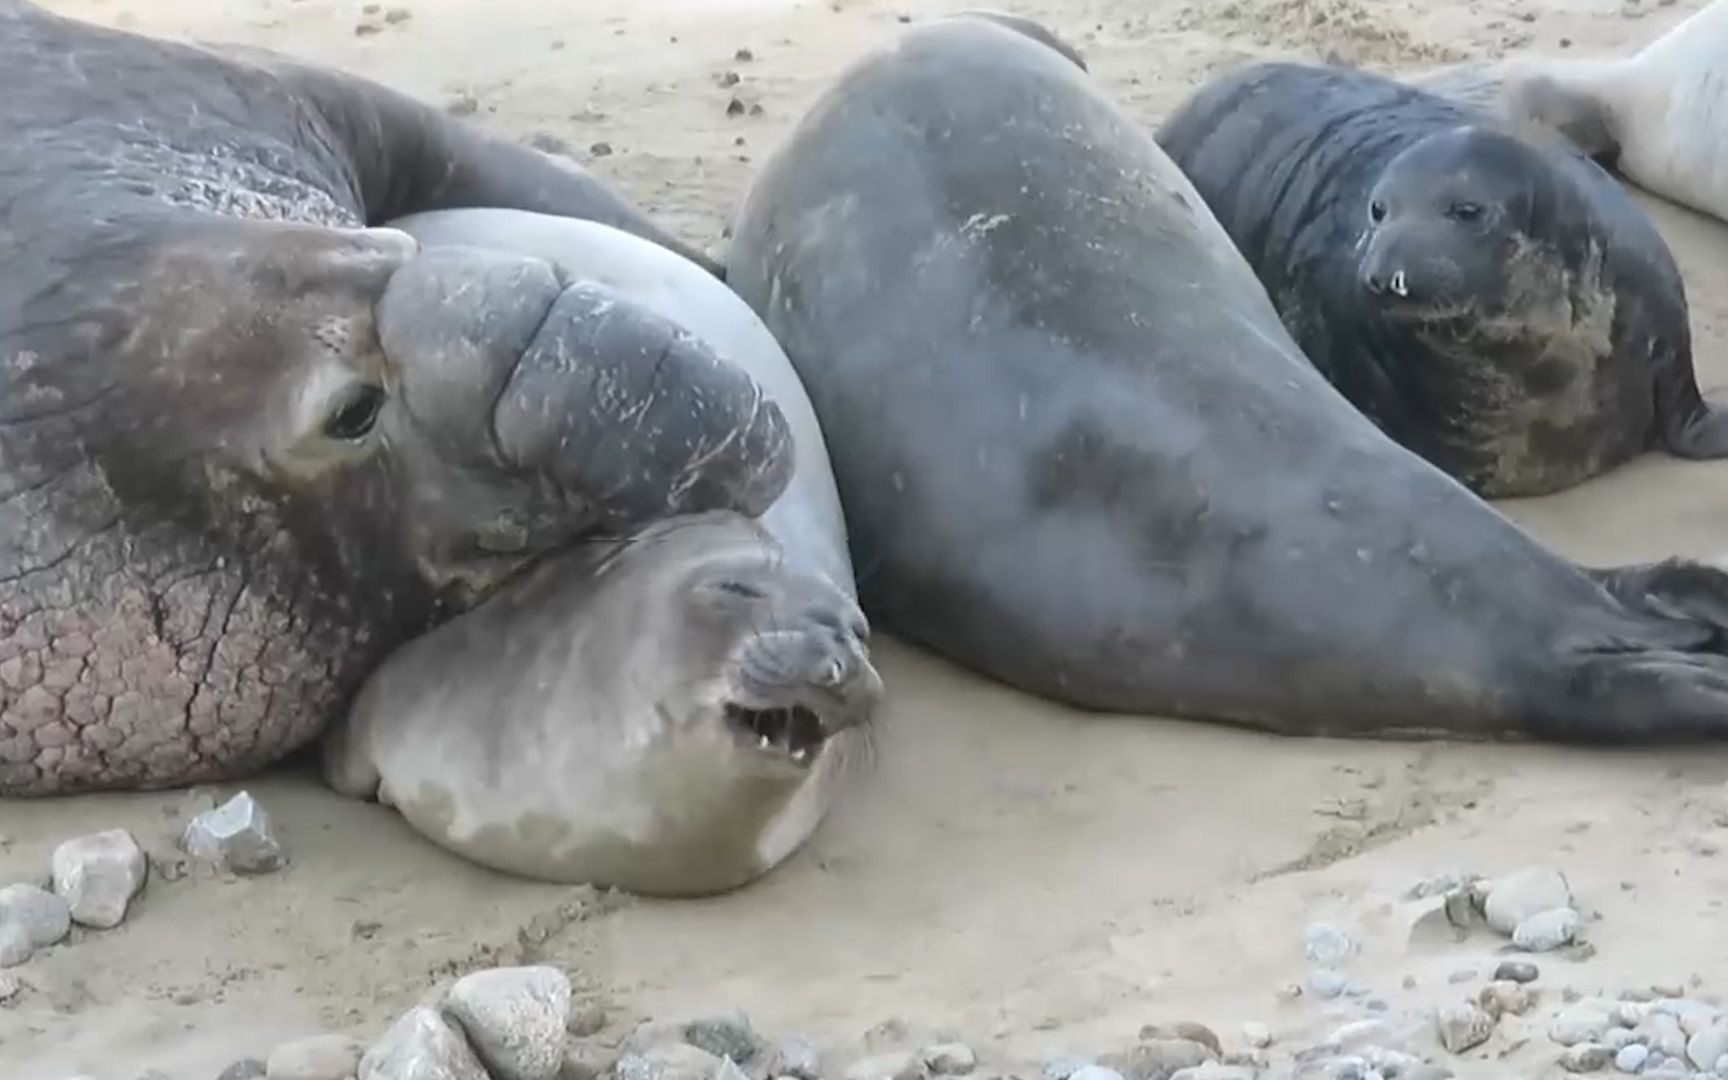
(668, 1061)
(586, 1021)
(1517, 896)
(1213, 1070)
(1586, 1057)
(585, 1061)
(98, 875)
(1618, 1037)
(1184, 1029)
(1630, 1013)
(45, 917)
(950, 1059)
(422, 1045)
(1066, 1068)
(237, 836)
(514, 1017)
(798, 1058)
(899, 1066)
(1327, 945)
(1707, 1046)
(725, 1035)
(15, 947)
(1631, 1057)
(1518, 971)
(1664, 1034)
(10, 987)
(244, 1069)
(1259, 1036)
(1095, 1072)
(1463, 1026)
(1580, 1025)
(1547, 931)
(318, 1057)
(1327, 984)
(1500, 998)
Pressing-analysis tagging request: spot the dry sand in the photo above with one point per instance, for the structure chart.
(1036, 880)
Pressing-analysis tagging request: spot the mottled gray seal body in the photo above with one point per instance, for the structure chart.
(667, 712)
(1659, 117)
(1079, 452)
(221, 500)
(1499, 306)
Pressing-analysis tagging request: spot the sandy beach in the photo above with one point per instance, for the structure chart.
(1033, 880)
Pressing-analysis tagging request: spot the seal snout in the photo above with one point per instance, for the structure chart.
(1381, 282)
(800, 684)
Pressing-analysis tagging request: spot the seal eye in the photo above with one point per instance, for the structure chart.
(1465, 211)
(739, 588)
(1377, 211)
(356, 412)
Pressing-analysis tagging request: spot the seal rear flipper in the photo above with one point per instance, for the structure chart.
(1699, 433)
(1676, 589)
(1648, 696)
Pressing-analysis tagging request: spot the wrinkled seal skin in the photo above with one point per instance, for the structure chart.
(1656, 117)
(668, 712)
(1503, 308)
(220, 501)
(1085, 457)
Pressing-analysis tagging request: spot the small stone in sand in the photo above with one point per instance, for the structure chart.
(244, 1069)
(1586, 1057)
(1184, 1029)
(514, 1018)
(950, 1059)
(1631, 1057)
(10, 987)
(668, 1061)
(1499, 998)
(1094, 1072)
(421, 1045)
(798, 1058)
(725, 1035)
(1546, 931)
(1578, 1025)
(397, 15)
(238, 836)
(1327, 945)
(46, 918)
(547, 143)
(601, 149)
(1518, 971)
(1326, 984)
(900, 1066)
(1462, 1027)
(1259, 1036)
(15, 947)
(98, 875)
(316, 1057)
(1517, 896)
(463, 104)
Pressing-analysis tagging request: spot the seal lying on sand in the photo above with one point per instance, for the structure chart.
(1658, 117)
(1503, 308)
(664, 713)
(1079, 452)
(220, 502)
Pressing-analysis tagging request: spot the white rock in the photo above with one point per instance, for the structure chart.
(44, 916)
(1213, 1070)
(422, 1045)
(950, 1059)
(798, 1058)
(317, 1057)
(514, 1017)
(1708, 1045)
(1586, 1057)
(1259, 1036)
(98, 875)
(1662, 1032)
(1094, 1072)
(1631, 1057)
(1517, 896)
(238, 835)
(15, 947)
(1547, 930)
(10, 987)
(1327, 945)
(1462, 1027)
(1618, 1037)
(669, 1061)
(1578, 1025)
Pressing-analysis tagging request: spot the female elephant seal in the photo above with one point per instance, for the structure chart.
(222, 500)
(1501, 307)
(664, 713)
(1657, 116)
(1079, 452)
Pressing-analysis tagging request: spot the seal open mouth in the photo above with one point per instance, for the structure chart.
(793, 731)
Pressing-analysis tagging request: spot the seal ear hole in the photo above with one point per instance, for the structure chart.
(1376, 211)
(355, 412)
(1464, 211)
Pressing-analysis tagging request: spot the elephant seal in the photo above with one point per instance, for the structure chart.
(666, 712)
(1656, 116)
(1503, 308)
(222, 501)
(1079, 452)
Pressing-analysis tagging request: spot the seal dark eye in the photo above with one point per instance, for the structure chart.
(1376, 211)
(1465, 211)
(739, 588)
(355, 413)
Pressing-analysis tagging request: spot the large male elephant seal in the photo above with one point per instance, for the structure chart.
(665, 712)
(220, 501)
(1659, 116)
(1079, 452)
(1502, 307)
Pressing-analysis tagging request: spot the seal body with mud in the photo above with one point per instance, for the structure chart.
(222, 498)
(1079, 452)
(667, 711)
(1656, 116)
(1502, 307)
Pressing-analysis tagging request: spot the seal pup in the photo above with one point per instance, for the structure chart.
(1658, 117)
(221, 501)
(1504, 308)
(667, 712)
(1079, 452)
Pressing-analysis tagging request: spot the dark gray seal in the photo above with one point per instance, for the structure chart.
(1502, 307)
(1080, 453)
(669, 711)
(221, 500)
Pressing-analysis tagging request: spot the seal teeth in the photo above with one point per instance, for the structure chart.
(1399, 286)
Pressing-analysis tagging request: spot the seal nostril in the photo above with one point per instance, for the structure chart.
(1373, 282)
(1400, 287)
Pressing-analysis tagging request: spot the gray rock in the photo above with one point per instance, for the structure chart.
(1213, 1070)
(1586, 1057)
(668, 1061)
(896, 1066)
(1462, 1027)
(950, 1059)
(238, 836)
(1546, 931)
(1500, 998)
(1618, 1037)
(1184, 1029)
(1066, 1067)
(514, 1018)
(729, 1070)
(10, 987)
(1721, 1068)
(586, 1021)
(1259, 1036)
(45, 917)
(727, 1035)
(1707, 1046)
(1518, 971)
(1581, 1024)
(801, 1059)
(585, 1061)
(1519, 895)
(244, 1069)
(98, 875)
(1631, 1057)
(15, 947)
(1327, 984)
(1428, 1070)
(1156, 1059)
(317, 1057)
(1095, 1072)
(422, 1045)
(1327, 945)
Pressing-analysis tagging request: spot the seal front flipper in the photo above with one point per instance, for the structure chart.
(1692, 427)
(1676, 589)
